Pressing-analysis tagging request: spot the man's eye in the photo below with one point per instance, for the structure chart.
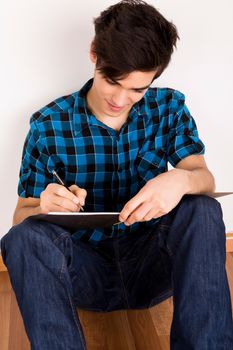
(139, 91)
(110, 82)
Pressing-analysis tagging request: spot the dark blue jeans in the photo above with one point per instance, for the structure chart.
(183, 255)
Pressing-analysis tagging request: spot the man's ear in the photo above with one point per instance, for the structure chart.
(93, 56)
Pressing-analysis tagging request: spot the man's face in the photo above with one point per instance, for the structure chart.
(116, 98)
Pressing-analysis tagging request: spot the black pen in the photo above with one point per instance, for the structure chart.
(62, 183)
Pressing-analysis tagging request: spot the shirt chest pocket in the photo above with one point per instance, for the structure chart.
(150, 164)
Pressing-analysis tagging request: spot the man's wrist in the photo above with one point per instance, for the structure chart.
(184, 179)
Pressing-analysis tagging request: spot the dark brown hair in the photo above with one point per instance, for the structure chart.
(132, 36)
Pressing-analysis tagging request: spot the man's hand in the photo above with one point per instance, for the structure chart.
(57, 198)
(158, 197)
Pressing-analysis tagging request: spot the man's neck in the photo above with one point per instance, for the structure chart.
(113, 122)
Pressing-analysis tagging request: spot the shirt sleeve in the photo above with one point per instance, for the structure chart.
(33, 176)
(183, 138)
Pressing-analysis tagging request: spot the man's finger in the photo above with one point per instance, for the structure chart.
(80, 193)
(65, 203)
(139, 213)
(130, 206)
(151, 215)
(62, 191)
(55, 207)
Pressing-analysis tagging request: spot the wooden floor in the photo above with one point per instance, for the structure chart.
(120, 330)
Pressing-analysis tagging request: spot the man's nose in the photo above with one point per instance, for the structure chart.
(120, 98)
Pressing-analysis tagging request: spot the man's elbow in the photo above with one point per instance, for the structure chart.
(212, 182)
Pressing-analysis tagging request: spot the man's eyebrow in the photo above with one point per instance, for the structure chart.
(142, 88)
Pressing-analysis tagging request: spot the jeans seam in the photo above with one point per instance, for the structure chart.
(163, 226)
(123, 285)
(169, 251)
(78, 324)
(121, 277)
(62, 271)
(74, 312)
(63, 234)
(165, 231)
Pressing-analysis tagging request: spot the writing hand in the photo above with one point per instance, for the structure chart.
(58, 198)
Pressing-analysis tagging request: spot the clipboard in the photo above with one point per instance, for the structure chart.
(74, 221)
(218, 194)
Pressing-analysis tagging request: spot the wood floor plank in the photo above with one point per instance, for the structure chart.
(5, 284)
(2, 265)
(229, 269)
(5, 303)
(143, 330)
(18, 338)
(164, 341)
(108, 331)
(162, 316)
(118, 331)
(94, 329)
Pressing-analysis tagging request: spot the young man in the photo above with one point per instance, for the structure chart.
(111, 142)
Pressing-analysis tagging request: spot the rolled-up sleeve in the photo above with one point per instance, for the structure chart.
(183, 138)
(34, 176)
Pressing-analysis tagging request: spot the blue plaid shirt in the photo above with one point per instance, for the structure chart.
(111, 165)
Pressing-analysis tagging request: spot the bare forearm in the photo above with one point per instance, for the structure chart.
(23, 213)
(197, 181)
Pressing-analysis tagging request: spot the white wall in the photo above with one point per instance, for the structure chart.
(44, 55)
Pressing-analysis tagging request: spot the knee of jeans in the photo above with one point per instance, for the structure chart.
(202, 203)
(200, 209)
(200, 217)
(207, 211)
(18, 238)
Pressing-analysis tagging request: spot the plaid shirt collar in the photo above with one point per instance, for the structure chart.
(83, 117)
